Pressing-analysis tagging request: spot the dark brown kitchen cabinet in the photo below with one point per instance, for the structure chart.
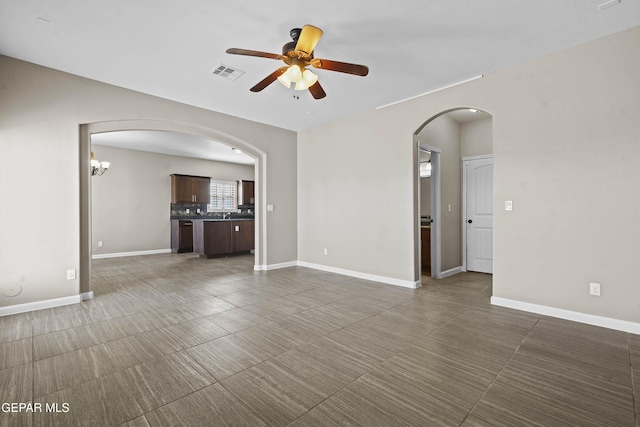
(181, 236)
(190, 189)
(212, 238)
(246, 193)
(426, 249)
(243, 235)
(215, 238)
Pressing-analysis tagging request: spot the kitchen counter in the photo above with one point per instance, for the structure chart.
(201, 218)
(221, 220)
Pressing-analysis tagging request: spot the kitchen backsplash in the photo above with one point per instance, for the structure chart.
(190, 211)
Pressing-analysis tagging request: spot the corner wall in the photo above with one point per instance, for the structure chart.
(566, 151)
(41, 111)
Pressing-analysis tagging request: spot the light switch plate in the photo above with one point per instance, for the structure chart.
(71, 274)
(270, 208)
(508, 205)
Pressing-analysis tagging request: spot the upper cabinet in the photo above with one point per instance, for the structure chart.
(246, 193)
(190, 189)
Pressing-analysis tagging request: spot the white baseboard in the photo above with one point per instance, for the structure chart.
(275, 266)
(134, 253)
(359, 275)
(450, 272)
(576, 316)
(85, 296)
(39, 305)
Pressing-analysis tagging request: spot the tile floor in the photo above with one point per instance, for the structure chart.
(177, 340)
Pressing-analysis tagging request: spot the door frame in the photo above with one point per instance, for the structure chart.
(436, 230)
(465, 164)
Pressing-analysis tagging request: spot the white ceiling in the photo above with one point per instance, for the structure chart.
(173, 143)
(185, 145)
(168, 48)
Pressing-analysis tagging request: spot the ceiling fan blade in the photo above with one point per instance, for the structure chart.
(317, 91)
(268, 80)
(343, 67)
(247, 52)
(309, 38)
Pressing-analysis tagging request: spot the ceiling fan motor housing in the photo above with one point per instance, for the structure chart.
(288, 47)
(295, 33)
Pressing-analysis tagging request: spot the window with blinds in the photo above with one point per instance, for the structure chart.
(224, 196)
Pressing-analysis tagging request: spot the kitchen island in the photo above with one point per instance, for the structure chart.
(223, 237)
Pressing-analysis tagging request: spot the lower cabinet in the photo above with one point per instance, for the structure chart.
(216, 238)
(181, 236)
(426, 248)
(243, 233)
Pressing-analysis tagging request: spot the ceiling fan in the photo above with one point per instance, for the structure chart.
(298, 55)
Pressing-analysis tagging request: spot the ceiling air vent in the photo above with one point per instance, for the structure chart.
(226, 72)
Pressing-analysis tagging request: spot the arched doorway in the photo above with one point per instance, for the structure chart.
(451, 137)
(86, 130)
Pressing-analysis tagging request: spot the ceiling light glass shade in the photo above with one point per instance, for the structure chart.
(294, 73)
(284, 80)
(308, 79)
(302, 79)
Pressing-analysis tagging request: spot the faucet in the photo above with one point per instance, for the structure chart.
(226, 215)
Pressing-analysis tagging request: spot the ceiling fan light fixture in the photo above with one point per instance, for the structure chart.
(294, 73)
(284, 80)
(309, 77)
(298, 55)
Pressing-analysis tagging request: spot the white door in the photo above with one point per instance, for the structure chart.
(479, 186)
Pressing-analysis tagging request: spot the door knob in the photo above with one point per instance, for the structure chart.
(469, 221)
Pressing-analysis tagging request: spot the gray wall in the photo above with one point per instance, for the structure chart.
(566, 152)
(131, 202)
(40, 113)
(476, 137)
(555, 120)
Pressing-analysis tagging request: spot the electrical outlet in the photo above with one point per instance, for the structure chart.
(594, 289)
(326, 251)
(71, 274)
(99, 243)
